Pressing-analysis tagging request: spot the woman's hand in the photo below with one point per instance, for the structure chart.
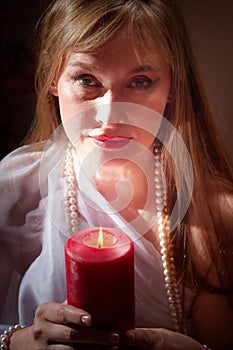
(161, 339)
(61, 327)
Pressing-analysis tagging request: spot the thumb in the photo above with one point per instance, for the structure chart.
(138, 338)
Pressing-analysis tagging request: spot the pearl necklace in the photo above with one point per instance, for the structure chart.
(167, 249)
(71, 207)
(166, 244)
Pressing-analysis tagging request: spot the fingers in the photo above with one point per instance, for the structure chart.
(60, 326)
(71, 334)
(60, 347)
(146, 338)
(79, 347)
(63, 314)
(160, 339)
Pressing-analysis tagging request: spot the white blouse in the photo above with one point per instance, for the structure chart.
(33, 231)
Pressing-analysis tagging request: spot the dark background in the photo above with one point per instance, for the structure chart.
(211, 26)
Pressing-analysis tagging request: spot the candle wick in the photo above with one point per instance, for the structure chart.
(100, 240)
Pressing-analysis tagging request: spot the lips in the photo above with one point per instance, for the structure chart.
(104, 137)
(110, 141)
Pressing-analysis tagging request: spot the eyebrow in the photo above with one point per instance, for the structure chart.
(143, 68)
(84, 66)
(139, 69)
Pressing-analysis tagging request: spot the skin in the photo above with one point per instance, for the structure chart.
(89, 81)
(105, 79)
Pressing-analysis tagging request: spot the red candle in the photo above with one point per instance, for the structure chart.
(100, 277)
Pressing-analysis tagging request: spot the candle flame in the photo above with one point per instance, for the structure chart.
(100, 240)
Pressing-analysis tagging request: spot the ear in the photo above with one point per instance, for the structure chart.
(53, 88)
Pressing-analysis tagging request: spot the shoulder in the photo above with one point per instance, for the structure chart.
(26, 175)
(211, 236)
(19, 183)
(212, 311)
(27, 161)
(22, 156)
(20, 167)
(20, 161)
(220, 204)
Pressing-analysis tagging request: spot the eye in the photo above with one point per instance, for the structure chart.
(87, 80)
(141, 83)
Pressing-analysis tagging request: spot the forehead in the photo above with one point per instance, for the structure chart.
(122, 50)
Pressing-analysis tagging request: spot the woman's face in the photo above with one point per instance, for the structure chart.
(115, 94)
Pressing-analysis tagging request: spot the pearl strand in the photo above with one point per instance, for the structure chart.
(71, 196)
(167, 246)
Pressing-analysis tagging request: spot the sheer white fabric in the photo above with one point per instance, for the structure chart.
(33, 231)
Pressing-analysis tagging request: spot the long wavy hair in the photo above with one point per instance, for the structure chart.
(86, 25)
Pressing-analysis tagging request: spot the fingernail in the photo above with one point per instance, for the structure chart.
(86, 320)
(115, 338)
(130, 338)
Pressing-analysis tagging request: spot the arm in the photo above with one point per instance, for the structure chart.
(212, 312)
(6, 275)
(213, 320)
(161, 339)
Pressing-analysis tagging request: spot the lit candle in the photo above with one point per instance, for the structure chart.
(100, 277)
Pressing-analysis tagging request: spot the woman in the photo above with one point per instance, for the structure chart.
(107, 72)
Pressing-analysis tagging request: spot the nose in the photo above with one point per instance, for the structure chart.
(111, 109)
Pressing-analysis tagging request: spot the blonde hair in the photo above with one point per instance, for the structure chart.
(86, 26)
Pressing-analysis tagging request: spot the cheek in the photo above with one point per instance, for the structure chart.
(161, 95)
(158, 102)
(68, 102)
(160, 108)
